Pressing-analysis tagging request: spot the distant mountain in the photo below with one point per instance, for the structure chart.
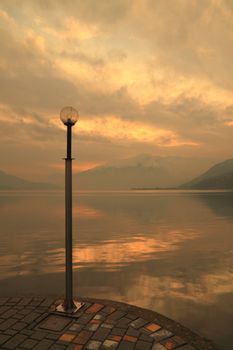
(220, 176)
(142, 171)
(10, 182)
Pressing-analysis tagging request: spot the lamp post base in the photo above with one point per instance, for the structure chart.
(69, 310)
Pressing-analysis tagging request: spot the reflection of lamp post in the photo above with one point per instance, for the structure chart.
(69, 116)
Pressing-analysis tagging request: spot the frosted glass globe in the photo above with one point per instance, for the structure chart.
(69, 116)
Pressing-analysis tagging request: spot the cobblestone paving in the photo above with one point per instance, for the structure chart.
(33, 323)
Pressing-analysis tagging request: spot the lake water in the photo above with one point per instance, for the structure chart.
(166, 251)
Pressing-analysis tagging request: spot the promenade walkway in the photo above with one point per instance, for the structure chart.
(32, 323)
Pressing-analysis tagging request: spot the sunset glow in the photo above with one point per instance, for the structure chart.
(133, 79)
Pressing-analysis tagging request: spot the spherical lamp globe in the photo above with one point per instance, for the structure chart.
(69, 116)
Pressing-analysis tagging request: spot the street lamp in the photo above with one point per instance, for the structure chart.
(69, 116)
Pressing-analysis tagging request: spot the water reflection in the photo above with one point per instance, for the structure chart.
(171, 252)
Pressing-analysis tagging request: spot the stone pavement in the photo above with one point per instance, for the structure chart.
(33, 323)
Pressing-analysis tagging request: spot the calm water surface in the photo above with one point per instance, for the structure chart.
(166, 251)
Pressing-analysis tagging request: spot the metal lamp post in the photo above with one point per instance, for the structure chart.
(69, 116)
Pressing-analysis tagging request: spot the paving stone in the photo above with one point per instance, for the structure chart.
(92, 327)
(28, 344)
(124, 321)
(42, 317)
(43, 345)
(98, 317)
(142, 345)
(3, 338)
(10, 332)
(15, 300)
(25, 324)
(67, 337)
(131, 316)
(26, 332)
(38, 335)
(75, 327)
(14, 341)
(18, 307)
(179, 341)
(116, 338)
(7, 324)
(30, 307)
(109, 345)
(4, 309)
(126, 345)
(101, 334)
(93, 321)
(130, 338)
(158, 346)
(107, 325)
(152, 327)
(18, 316)
(57, 347)
(169, 344)
(53, 336)
(25, 301)
(109, 321)
(19, 326)
(41, 309)
(36, 302)
(55, 323)
(83, 337)
(32, 325)
(108, 310)
(30, 317)
(139, 322)
(3, 300)
(118, 331)
(74, 347)
(8, 314)
(161, 334)
(94, 308)
(116, 315)
(25, 311)
(84, 319)
(93, 345)
(146, 337)
(47, 302)
(133, 332)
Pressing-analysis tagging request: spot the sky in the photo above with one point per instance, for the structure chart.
(147, 77)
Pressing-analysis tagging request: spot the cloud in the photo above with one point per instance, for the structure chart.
(149, 68)
(116, 129)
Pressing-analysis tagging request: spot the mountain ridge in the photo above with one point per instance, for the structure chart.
(219, 176)
(12, 182)
(141, 171)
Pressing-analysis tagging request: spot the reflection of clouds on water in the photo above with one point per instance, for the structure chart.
(88, 212)
(111, 254)
(82, 211)
(203, 290)
(125, 251)
(170, 252)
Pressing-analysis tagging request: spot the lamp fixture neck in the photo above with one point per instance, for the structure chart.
(69, 141)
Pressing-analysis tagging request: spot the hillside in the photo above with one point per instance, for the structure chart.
(220, 176)
(142, 171)
(10, 182)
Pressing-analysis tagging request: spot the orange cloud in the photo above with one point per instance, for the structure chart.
(119, 130)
